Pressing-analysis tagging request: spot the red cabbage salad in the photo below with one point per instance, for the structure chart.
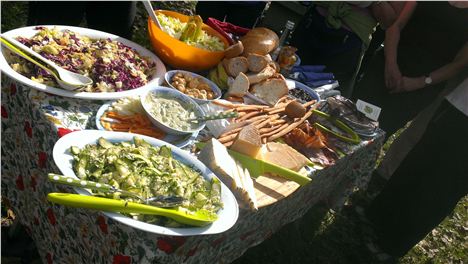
(112, 66)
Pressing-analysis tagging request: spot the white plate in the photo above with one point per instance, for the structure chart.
(227, 216)
(176, 140)
(28, 32)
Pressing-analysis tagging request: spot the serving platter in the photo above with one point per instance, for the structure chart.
(227, 216)
(157, 77)
(176, 140)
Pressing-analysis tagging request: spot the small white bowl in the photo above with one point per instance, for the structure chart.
(217, 92)
(185, 100)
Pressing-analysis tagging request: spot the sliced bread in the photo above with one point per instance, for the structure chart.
(240, 86)
(266, 73)
(270, 90)
(236, 65)
(257, 62)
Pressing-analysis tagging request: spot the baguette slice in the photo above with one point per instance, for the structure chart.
(266, 73)
(236, 65)
(240, 86)
(234, 50)
(257, 62)
(270, 90)
(216, 157)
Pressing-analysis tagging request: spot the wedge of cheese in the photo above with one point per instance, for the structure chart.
(216, 157)
(248, 141)
(283, 155)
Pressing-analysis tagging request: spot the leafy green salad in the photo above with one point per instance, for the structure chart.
(146, 170)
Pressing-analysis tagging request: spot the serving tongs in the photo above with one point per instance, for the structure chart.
(66, 79)
(160, 200)
(353, 138)
(178, 214)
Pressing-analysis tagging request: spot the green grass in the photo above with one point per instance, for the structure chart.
(322, 235)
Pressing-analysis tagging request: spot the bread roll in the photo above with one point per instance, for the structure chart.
(234, 50)
(257, 62)
(259, 41)
(270, 90)
(236, 65)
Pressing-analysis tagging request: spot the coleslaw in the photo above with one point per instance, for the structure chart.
(174, 27)
(112, 66)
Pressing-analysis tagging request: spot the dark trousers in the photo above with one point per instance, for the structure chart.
(114, 17)
(426, 186)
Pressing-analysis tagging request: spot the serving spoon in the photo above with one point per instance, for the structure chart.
(150, 10)
(178, 214)
(66, 79)
(160, 200)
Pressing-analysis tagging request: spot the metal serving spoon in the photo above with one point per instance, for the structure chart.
(160, 200)
(66, 79)
(221, 115)
(181, 215)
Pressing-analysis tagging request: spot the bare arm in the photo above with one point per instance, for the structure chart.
(392, 38)
(439, 75)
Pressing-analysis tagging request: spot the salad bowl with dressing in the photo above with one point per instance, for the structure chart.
(196, 56)
(172, 111)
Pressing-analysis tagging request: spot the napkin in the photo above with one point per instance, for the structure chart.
(312, 75)
(226, 29)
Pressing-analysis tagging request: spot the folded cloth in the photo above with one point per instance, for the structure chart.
(315, 84)
(312, 74)
(226, 29)
(309, 68)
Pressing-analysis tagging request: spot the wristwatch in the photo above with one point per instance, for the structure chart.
(427, 80)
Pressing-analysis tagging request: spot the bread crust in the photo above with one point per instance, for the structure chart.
(234, 50)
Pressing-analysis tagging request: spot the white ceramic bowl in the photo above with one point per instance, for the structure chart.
(227, 216)
(183, 99)
(217, 92)
(28, 32)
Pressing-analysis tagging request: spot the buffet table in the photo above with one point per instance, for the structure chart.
(33, 121)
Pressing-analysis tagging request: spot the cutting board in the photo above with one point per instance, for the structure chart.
(270, 189)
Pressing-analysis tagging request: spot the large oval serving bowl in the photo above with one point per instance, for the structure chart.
(227, 216)
(179, 54)
(184, 100)
(156, 79)
(217, 92)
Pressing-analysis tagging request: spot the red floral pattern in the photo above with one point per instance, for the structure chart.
(28, 128)
(121, 259)
(101, 221)
(13, 89)
(42, 159)
(49, 258)
(20, 183)
(4, 112)
(51, 216)
(63, 131)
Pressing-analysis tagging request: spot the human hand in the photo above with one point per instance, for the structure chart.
(409, 84)
(393, 77)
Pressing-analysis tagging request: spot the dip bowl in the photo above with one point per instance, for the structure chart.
(171, 94)
(217, 92)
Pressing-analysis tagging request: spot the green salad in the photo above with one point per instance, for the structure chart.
(148, 171)
(199, 38)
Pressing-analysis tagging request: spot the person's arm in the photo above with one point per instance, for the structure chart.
(393, 75)
(439, 75)
(384, 13)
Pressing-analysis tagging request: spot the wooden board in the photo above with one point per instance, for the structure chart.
(270, 189)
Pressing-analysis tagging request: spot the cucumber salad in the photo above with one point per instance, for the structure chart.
(149, 171)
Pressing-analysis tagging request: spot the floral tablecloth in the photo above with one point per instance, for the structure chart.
(32, 122)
